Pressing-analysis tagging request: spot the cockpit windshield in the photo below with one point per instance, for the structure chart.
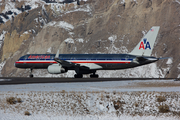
(23, 57)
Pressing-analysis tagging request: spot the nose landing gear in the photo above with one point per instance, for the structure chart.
(31, 75)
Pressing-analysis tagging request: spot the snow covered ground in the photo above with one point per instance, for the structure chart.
(117, 100)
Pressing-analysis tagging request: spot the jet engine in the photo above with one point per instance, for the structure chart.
(56, 69)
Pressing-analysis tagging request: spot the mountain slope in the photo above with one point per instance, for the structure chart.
(95, 26)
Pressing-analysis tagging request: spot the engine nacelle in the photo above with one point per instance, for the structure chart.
(56, 69)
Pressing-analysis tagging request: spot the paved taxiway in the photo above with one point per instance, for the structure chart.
(23, 80)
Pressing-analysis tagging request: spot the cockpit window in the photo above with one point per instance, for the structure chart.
(23, 57)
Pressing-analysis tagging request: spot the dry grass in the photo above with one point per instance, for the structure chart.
(19, 100)
(11, 100)
(107, 96)
(63, 91)
(118, 104)
(27, 113)
(161, 98)
(136, 104)
(114, 92)
(163, 108)
(76, 102)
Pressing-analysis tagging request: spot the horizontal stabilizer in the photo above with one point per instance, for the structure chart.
(142, 59)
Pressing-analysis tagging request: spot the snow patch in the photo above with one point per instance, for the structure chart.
(69, 40)
(112, 38)
(85, 8)
(1, 67)
(146, 71)
(2, 36)
(49, 50)
(61, 24)
(26, 32)
(113, 48)
(178, 70)
(90, 101)
(169, 61)
(71, 33)
(134, 1)
(123, 1)
(9, 5)
(65, 25)
(15, 116)
(177, 1)
(80, 40)
(144, 32)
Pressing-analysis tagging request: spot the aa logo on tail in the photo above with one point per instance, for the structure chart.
(144, 44)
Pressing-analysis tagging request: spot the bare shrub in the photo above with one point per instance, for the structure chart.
(136, 104)
(11, 100)
(161, 98)
(163, 108)
(118, 104)
(27, 113)
(19, 100)
(102, 96)
(107, 96)
(176, 113)
(63, 91)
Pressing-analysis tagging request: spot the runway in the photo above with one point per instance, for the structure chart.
(25, 80)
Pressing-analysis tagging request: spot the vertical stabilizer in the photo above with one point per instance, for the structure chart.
(146, 45)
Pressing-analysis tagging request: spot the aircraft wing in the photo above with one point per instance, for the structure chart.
(87, 66)
(66, 63)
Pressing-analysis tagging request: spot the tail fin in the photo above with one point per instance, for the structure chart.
(146, 45)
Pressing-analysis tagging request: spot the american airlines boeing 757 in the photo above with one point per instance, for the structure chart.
(90, 63)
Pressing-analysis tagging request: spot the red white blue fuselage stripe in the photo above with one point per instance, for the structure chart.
(76, 61)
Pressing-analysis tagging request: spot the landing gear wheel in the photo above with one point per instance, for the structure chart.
(31, 75)
(94, 76)
(78, 76)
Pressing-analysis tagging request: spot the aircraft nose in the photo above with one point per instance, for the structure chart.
(15, 64)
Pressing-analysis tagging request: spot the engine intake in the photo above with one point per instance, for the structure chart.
(56, 69)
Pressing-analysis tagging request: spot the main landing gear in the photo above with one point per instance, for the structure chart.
(94, 75)
(78, 76)
(81, 76)
(31, 75)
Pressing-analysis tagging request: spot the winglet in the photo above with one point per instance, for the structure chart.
(57, 54)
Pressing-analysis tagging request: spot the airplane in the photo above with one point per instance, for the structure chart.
(90, 63)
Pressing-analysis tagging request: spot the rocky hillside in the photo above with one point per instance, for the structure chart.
(92, 26)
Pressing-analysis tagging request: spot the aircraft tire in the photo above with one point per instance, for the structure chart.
(78, 76)
(31, 75)
(94, 76)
